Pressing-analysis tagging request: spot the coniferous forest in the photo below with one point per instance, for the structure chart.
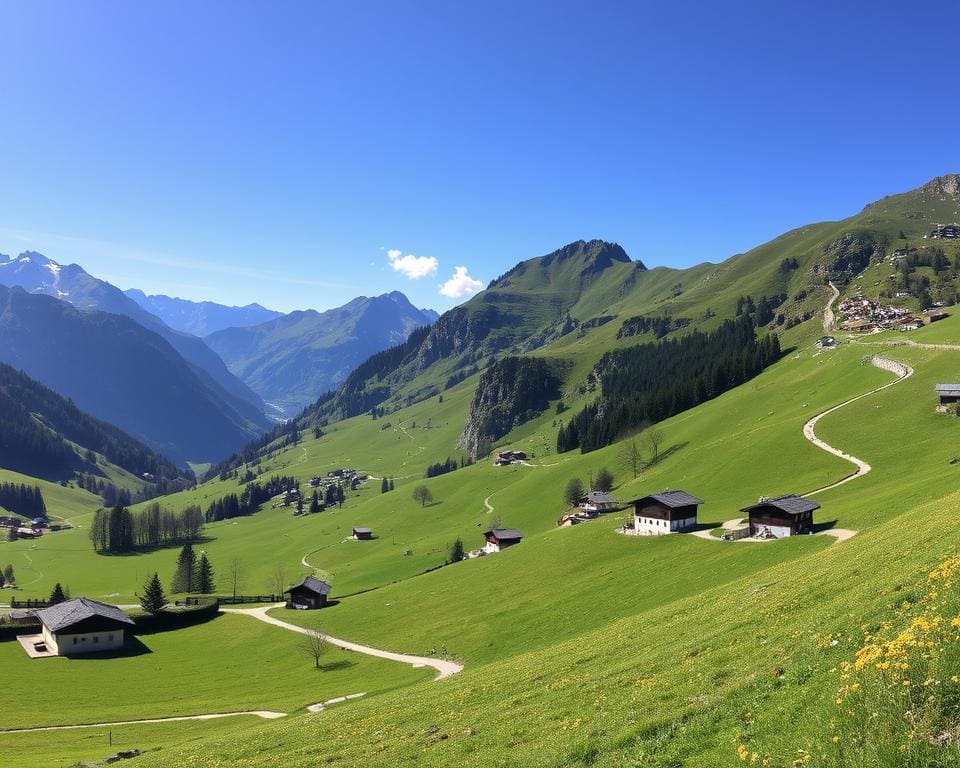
(22, 500)
(651, 382)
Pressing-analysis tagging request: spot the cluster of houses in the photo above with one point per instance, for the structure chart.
(335, 477)
(866, 316)
(505, 458)
(660, 514)
(23, 530)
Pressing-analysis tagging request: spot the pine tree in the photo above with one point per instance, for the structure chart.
(604, 481)
(456, 551)
(340, 496)
(153, 598)
(183, 577)
(9, 575)
(391, 483)
(204, 581)
(384, 486)
(315, 503)
(57, 596)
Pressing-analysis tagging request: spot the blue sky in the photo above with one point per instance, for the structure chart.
(278, 152)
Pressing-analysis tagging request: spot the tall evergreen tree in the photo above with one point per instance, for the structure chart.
(384, 486)
(57, 596)
(340, 495)
(204, 581)
(153, 598)
(315, 503)
(603, 481)
(9, 575)
(185, 574)
(456, 551)
(391, 484)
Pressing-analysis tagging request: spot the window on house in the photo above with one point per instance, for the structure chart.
(109, 638)
(74, 641)
(96, 638)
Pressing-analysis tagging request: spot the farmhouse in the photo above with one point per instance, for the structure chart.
(83, 626)
(946, 232)
(28, 533)
(948, 393)
(362, 534)
(308, 594)
(774, 518)
(598, 501)
(935, 315)
(663, 513)
(826, 342)
(499, 539)
(509, 457)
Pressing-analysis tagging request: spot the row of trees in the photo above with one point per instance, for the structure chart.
(651, 382)
(253, 495)
(448, 465)
(386, 485)
(576, 490)
(22, 500)
(120, 530)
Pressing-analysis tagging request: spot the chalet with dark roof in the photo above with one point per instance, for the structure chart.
(949, 394)
(362, 534)
(662, 513)
(83, 626)
(309, 594)
(499, 539)
(598, 501)
(774, 518)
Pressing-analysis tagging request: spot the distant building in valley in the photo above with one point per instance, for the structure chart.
(598, 501)
(362, 534)
(949, 394)
(663, 513)
(781, 516)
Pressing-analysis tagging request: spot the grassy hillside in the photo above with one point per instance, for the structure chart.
(582, 646)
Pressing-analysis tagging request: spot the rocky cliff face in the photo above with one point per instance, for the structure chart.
(511, 391)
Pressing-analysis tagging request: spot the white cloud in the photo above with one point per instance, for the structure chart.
(412, 267)
(460, 285)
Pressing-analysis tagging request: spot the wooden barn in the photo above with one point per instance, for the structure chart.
(781, 516)
(308, 594)
(499, 539)
(83, 626)
(663, 513)
(948, 393)
(362, 534)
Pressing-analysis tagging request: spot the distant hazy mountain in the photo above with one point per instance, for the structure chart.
(45, 435)
(123, 373)
(293, 359)
(201, 318)
(35, 273)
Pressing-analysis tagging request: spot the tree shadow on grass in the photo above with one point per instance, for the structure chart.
(137, 551)
(825, 526)
(335, 666)
(665, 454)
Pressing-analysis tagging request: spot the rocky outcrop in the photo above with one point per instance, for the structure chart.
(510, 392)
(849, 255)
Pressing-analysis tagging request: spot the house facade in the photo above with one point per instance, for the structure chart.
(83, 626)
(499, 539)
(781, 516)
(949, 394)
(598, 501)
(311, 593)
(662, 513)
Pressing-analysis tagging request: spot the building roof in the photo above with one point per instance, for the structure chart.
(671, 499)
(951, 389)
(791, 504)
(505, 534)
(63, 615)
(362, 530)
(314, 584)
(598, 497)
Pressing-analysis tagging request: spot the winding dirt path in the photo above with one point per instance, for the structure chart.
(444, 667)
(902, 372)
(488, 505)
(266, 714)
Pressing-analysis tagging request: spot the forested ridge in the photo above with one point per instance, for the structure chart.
(37, 423)
(651, 382)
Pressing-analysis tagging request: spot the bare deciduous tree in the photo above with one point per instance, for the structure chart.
(314, 644)
(654, 440)
(278, 580)
(632, 456)
(236, 575)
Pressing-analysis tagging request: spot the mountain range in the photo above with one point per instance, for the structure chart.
(201, 318)
(290, 360)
